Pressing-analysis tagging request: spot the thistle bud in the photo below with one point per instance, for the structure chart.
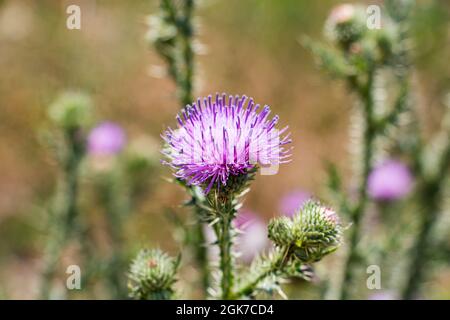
(317, 232)
(280, 231)
(346, 25)
(311, 234)
(71, 110)
(152, 275)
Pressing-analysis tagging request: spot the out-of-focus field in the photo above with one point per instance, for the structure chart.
(252, 47)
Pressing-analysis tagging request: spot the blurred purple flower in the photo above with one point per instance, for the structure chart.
(389, 181)
(292, 201)
(107, 138)
(382, 295)
(253, 238)
(216, 139)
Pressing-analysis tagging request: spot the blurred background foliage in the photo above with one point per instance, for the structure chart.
(251, 47)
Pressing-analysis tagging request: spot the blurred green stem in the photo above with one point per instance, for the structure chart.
(181, 69)
(357, 212)
(117, 207)
(431, 197)
(63, 223)
(181, 64)
(188, 54)
(201, 254)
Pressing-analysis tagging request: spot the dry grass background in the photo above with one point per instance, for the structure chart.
(252, 49)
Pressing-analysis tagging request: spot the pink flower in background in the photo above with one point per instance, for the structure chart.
(383, 295)
(253, 238)
(341, 14)
(292, 201)
(107, 138)
(392, 180)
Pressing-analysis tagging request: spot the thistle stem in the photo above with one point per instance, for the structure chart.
(430, 199)
(419, 253)
(358, 211)
(188, 53)
(275, 267)
(201, 255)
(226, 261)
(117, 207)
(65, 218)
(181, 69)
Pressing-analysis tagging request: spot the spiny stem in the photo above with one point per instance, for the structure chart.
(275, 267)
(226, 261)
(358, 211)
(64, 223)
(181, 69)
(116, 208)
(188, 54)
(430, 198)
(201, 255)
(419, 253)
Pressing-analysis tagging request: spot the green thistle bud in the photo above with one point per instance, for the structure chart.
(280, 231)
(346, 25)
(71, 110)
(317, 232)
(312, 233)
(152, 275)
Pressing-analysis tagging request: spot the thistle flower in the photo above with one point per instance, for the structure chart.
(253, 238)
(224, 138)
(152, 275)
(392, 180)
(106, 139)
(292, 202)
(312, 233)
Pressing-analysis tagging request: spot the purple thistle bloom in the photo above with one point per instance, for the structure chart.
(106, 139)
(219, 138)
(292, 202)
(389, 181)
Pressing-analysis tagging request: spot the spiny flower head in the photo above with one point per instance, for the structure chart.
(312, 233)
(152, 275)
(223, 138)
